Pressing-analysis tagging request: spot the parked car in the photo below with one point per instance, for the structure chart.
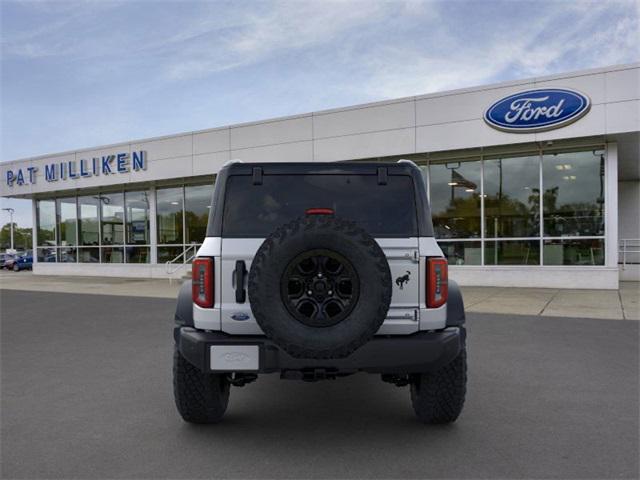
(7, 261)
(23, 262)
(317, 271)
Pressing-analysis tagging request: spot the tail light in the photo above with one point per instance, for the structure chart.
(202, 282)
(437, 282)
(319, 211)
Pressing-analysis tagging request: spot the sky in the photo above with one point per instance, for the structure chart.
(87, 73)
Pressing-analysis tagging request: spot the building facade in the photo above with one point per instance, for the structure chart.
(532, 182)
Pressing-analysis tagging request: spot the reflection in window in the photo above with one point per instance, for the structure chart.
(88, 220)
(137, 218)
(512, 197)
(46, 217)
(573, 198)
(455, 199)
(169, 207)
(512, 252)
(137, 254)
(574, 252)
(112, 255)
(67, 212)
(462, 253)
(196, 211)
(67, 255)
(89, 255)
(166, 254)
(46, 254)
(112, 218)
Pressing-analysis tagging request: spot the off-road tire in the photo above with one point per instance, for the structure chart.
(438, 397)
(200, 397)
(344, 238)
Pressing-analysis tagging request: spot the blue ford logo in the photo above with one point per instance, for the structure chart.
(537, 110)
(240, 316)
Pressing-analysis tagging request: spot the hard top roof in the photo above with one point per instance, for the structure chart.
(327, 168)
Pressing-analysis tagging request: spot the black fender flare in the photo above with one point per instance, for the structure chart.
(455, 306)
(184, 308)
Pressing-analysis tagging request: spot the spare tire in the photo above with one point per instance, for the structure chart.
(320, 287)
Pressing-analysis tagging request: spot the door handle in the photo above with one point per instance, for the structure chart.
(240, 273)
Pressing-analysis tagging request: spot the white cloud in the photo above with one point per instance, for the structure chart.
(530, 47)
(287, 26)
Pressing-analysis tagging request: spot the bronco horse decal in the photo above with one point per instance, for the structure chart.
(400, 281)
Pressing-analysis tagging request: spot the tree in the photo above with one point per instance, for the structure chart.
(21, 237)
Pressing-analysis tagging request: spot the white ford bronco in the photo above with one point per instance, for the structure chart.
(318, 271)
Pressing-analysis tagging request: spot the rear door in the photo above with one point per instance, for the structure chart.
(252, 212)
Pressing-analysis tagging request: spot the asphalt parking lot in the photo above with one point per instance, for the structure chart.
(86, 393)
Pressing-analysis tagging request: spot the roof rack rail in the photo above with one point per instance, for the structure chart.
(232, 161)
(410, 162)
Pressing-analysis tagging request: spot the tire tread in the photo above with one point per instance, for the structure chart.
(199, 397)
(438, 397)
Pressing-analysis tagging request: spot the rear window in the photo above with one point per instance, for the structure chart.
(257, 210)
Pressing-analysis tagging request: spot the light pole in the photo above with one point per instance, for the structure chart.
(11, 212)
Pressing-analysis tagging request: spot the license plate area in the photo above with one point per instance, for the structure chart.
(234, 358)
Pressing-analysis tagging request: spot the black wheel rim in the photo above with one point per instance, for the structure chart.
(320, 288)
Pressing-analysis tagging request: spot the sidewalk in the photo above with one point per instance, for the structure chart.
(609, 304)
(606, 304)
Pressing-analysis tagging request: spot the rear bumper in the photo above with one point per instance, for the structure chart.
(420, 352)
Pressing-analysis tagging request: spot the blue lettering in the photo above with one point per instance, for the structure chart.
(32, 174)
(106, 164)
(63, 171)
(83, 171)
(123, 166)
(10, 178)
(139, 160)
(50, 173)
(72, 168)
(20, 177)
(96, 169)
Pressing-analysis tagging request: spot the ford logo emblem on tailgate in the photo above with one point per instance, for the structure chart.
(234, 357)
(240, 316)
(537, 110)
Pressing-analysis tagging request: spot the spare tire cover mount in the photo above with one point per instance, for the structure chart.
(320, 287)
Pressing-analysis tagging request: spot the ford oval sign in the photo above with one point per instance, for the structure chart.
(537, 110)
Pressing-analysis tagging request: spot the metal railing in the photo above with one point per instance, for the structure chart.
(184, 259)
(627, 249)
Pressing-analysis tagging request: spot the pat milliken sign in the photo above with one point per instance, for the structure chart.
(105, 165)
(537, 110)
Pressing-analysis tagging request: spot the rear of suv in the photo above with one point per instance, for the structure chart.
(317, 271)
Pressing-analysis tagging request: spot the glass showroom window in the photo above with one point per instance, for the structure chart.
(170, 219)
(137, 238)
(512, 197)
(88, 229)
(46, 230)
(573, 207)
(112, 227)
(570, 230)
(197, 203)
(455, 207)
(512, 210)
(462, 252)
(512, 252)
(67, 223)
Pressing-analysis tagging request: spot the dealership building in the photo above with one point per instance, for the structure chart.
(533, 183)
